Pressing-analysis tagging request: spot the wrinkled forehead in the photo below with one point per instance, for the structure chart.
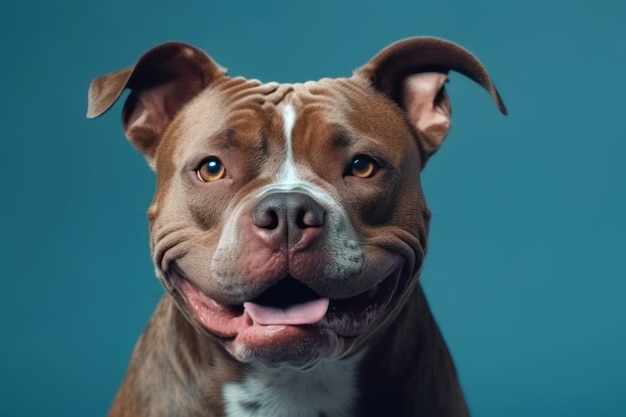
(224, 113)
(247, 113)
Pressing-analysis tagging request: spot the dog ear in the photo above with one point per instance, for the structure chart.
(413, 73)
(162, 81)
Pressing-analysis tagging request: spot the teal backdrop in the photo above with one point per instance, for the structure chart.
(525, 271)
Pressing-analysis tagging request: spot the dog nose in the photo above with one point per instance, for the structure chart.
(288, 217)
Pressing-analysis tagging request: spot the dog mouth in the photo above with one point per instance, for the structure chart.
(290, 304)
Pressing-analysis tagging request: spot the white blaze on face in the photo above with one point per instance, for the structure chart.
(288, 173)
(290, 176)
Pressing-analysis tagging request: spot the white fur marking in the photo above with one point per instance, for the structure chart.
(288, 174)
(329, 388)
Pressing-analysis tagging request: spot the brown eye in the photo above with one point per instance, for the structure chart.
(363, 167)
(211, 170)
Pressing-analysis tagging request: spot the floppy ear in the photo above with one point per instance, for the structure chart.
(162, 81)
(413, 73)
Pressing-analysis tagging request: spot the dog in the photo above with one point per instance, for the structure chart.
(288, 229)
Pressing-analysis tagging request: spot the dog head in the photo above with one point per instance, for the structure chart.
(288, 221)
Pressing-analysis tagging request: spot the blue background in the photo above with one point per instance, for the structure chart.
(525, 271)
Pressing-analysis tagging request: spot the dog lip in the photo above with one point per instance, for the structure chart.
(351, 317)
(222, 320)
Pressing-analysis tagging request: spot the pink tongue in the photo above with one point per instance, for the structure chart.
(310, 312)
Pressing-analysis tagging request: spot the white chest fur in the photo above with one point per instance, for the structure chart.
(328, 390)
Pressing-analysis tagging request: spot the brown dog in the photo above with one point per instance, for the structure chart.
(289, 229)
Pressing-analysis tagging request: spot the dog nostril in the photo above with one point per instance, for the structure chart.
(309, 218)
(300, 219)
(267, 219)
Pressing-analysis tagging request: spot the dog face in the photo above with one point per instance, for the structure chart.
(288, 222)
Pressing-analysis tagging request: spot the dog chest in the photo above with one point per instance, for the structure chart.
(330, 389)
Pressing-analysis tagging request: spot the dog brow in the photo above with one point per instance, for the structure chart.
(342, 137)
(229, 139)
(226, 140)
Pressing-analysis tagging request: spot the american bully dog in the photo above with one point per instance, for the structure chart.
(289, 229)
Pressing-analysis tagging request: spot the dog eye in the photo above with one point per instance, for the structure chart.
(211, 170)
(363, 167)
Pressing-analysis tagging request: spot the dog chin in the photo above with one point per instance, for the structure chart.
(289, 347)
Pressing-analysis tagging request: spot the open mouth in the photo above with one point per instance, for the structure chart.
(290, 303)
(287, 303)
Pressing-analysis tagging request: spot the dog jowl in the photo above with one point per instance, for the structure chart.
(289, 228)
